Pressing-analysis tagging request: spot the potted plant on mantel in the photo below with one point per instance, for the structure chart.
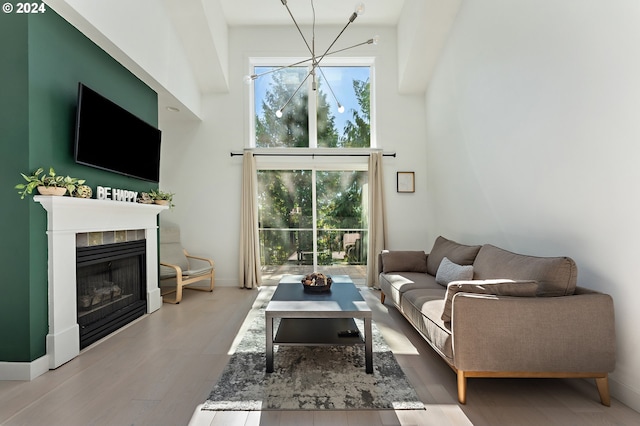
(48, 184)
(161, 197)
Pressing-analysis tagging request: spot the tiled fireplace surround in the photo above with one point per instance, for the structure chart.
(90, 239)
(83, 222)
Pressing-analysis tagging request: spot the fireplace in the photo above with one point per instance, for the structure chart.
(67, 217)
(110, 288)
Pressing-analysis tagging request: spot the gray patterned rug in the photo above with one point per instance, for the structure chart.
(309, 378)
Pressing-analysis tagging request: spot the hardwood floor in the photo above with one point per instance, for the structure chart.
(160, 368)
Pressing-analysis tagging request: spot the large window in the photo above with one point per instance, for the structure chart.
(312, 117)
(312, 212)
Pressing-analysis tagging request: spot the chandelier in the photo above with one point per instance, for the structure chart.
(315, 59)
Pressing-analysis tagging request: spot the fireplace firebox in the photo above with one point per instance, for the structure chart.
(111, 288)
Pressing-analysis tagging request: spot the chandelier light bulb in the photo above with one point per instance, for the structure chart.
(248, 79)
(279, 113)
(359, 8)
(376, 39)
(340, 108)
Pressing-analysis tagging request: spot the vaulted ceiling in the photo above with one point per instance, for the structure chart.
(422, 26)
(328, 12)
(132, 32)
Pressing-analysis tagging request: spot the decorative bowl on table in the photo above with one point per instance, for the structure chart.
(316, 282)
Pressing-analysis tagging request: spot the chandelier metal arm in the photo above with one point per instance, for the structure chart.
(316, 62)
(340, 108)
(351, 19)
(256, 76)
(284, 2)
(314, 59)
(294, 93)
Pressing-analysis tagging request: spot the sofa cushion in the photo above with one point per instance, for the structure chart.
(423, 309)
(457, 253)
(394, 285)
(520, 288)
(404, 261)
(556, 276)
(449, 271)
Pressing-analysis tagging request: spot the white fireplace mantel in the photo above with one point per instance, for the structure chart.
(66, 217)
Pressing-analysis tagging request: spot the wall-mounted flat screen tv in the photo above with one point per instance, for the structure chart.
(111, 138)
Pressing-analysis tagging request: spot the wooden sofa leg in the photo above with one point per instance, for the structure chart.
(603, 389)
(462, 387)
(382, 296)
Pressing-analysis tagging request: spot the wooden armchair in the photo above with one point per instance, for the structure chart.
(177, 265)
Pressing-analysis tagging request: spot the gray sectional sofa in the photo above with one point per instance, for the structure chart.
(489, 312)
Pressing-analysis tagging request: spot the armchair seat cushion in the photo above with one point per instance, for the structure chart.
(167, 272)
(197, 272)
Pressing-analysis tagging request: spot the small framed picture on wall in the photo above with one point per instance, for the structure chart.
(406, 182)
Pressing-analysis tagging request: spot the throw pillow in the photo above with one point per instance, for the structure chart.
(516, 288)
(449, 271)
(404, 261)
(456, 252)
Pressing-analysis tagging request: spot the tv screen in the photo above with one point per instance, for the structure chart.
(111, 138)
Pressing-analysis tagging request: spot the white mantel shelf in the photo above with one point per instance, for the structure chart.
(69, 214)
(66, 217)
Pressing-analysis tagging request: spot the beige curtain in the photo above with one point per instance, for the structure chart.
(250, 276)
(377, 218)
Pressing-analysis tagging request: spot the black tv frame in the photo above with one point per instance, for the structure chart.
(109, 137)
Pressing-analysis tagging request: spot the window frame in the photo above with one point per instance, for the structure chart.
(313, 128)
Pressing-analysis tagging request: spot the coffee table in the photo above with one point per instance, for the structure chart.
(314, 319)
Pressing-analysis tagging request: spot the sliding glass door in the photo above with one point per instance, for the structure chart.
(341, 217)
(313, 218)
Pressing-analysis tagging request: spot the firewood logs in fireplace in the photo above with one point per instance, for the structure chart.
(98, 296)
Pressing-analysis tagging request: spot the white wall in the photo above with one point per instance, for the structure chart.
(423, 28)
(141, 36)
(533, 130)
(197, 166)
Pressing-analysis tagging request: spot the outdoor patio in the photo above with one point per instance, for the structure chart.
(271, 274)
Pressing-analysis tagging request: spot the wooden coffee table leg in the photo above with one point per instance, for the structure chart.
(368, 346)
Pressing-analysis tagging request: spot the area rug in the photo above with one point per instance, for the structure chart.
(309, 378)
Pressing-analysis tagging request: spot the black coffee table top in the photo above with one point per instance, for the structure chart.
(343, 297)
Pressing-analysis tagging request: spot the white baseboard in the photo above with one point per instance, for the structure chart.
(154, 300)
(24, 370)
(623, 393)
(63, 346)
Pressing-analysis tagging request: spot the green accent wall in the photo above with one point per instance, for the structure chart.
(43, 60)
(14, 215)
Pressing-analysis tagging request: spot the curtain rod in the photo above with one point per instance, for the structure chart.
(309, 154)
